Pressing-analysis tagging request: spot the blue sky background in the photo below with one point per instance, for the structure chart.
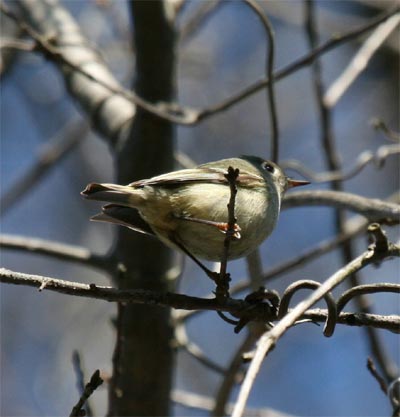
(306, 374)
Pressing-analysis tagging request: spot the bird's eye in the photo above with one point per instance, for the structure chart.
(268, 167)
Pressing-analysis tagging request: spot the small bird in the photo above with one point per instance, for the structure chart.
(187, 209)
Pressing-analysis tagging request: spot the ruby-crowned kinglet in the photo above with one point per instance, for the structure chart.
(187, 209)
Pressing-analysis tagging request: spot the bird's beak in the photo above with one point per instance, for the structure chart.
(296, 183)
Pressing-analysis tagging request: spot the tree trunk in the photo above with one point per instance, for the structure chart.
(143, 357)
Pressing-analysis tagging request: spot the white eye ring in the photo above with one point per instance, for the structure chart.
(268, 167)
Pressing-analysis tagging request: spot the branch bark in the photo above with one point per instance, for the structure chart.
(143, 357)
(155, 299)
(371, 208)
(110, 114)
(270, 338)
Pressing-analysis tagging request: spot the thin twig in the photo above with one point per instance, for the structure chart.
(372, 208)
(49, 155)
(205, 403)
(360, 60)
(199, 18)
(91, 386)
(14, 43)
(307, 59)
(189, 116)
(57, 250)
(80, 379)
(308, 284)
(222, 289)
(334, 164)
(231, 378)
(347, 296)
(379, 124)
(183, 342)
(372, 369)
(378, 158)
(270, 56)
(354, 227)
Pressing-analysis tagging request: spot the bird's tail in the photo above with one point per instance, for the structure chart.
(124, 216)
(114, 193)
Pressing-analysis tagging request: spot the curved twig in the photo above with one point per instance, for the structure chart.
(270, 56)
(330, 323)
(366, 289)
(390, 134)
(269, 339)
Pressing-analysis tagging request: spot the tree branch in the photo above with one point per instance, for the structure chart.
(113, 112)
(261, 312)
(269, 339)
(372, 208)
(57, 250)
(58, 36)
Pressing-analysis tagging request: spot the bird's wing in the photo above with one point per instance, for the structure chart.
(124, 216)
(203, 174)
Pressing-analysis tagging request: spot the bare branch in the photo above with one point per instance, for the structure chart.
(80, 379)
(270, 57)
(57, 250)
(390, 134)
(260, 312)
(91, 386)
(354, 227)
(202, 402)
(360, 60)
(90, 82)
(366, 289)
(199, 17)
(183, 342)
(372, 208)
(307, 59)
(378, 158)
(368, 320)
(50, 153)
(232, 374)
(112, 111)
(309, 284)
(269, 339)
(179, 301)
(223, 279)
(381, 381)
(334, 164)
(14, 43)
